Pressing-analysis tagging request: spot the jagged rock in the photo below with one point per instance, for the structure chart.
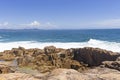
(25, 60)
(93, 56)
(48, 62)
(112, 64)
(51, 57)
(37, 52)
(7, 55)
(49, 49)
(5, 69)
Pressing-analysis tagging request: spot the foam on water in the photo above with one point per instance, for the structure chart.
(112, 46)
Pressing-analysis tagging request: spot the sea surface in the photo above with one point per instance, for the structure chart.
(108, 39)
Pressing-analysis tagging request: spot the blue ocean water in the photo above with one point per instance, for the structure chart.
(60, 35)
(102, 38)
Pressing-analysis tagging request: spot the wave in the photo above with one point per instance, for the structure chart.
(112, 46)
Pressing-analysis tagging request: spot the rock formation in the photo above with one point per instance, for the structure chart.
(93, 56)
(58, 63)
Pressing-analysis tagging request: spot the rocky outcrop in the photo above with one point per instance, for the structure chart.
(51, 57)
(53, 63)
(48, 62)
(93, 56)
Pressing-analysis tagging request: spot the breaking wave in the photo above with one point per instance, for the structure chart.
(112, 46)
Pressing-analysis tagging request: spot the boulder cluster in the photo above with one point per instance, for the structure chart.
(51, 63)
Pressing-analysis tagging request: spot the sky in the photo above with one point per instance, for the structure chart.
(59, 14)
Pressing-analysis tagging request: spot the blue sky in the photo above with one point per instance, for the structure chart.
(59, 14)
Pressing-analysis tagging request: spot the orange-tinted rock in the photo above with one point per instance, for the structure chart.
(51, 57)
(5, 69)
(7, 55)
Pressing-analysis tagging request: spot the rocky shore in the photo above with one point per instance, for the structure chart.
(53, 63)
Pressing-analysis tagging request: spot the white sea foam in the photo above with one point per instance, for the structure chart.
(112, 46)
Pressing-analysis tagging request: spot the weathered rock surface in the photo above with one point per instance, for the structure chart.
(98, 73)
(66, 74)
(112, 64)
(5, 69)
(93, 56)
(52, 60)
(17, 76)
(51, 57)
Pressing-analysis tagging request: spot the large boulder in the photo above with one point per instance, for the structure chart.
(93, 56)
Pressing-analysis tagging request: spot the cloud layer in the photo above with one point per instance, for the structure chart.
(108, 23)
(4, 24)
(32, 25)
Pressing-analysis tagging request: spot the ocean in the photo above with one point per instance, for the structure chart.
(108, 39)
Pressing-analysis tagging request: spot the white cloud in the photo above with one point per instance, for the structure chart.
(3, 24)
(49, 24)
(107, 23)
(110, 23)
(38, 25)
(32, 24)
(35, 23)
